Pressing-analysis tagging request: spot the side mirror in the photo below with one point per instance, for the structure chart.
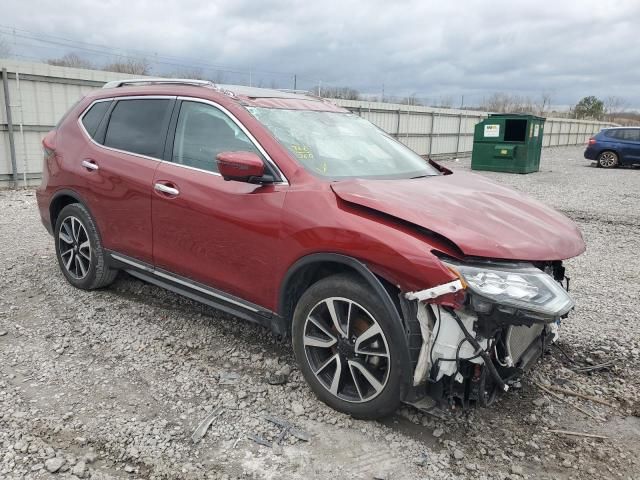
(240, 166)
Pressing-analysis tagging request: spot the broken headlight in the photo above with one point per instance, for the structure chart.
(521, 286)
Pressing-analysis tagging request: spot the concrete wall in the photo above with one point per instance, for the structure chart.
(40, 94)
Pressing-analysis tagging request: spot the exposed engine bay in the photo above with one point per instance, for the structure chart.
(478, 334)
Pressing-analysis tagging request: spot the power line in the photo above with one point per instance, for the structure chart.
(105, 50)
(55, 42)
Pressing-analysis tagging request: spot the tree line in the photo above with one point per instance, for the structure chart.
(611, 108)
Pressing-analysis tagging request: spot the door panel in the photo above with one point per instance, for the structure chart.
(633, 150)
(224, 234)
(119, 195)
(119, 168)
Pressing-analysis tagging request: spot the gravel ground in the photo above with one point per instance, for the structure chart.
(111, 384)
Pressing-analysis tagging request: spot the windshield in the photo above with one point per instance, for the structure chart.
(341, 145)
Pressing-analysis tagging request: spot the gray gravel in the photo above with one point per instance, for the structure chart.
(112, 384)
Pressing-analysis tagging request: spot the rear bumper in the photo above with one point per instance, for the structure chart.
(591, 153)
(43, 200)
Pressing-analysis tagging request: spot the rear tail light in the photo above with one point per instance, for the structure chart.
(48, 152)
(49, 145)
(592, 141)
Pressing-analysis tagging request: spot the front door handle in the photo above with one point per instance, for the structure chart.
(161, 187)
(90, 165)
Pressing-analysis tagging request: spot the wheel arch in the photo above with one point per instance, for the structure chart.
(309, 269)
(61, 199)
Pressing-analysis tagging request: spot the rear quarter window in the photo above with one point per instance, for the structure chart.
(610, 133)
(91, 120)
(137, 126)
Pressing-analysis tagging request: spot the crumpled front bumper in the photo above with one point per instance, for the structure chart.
(464, 354)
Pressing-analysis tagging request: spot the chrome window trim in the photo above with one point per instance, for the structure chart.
(210, 172)
(244, 129)
(253, 140)
(130, 97)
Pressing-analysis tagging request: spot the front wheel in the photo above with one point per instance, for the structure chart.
(348, 348)
(608, 159)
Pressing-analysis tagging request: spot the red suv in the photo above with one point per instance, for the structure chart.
(395, 278)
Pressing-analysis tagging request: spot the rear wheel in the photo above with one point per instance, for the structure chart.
(347, 347)
(79, 249)
(608, 159)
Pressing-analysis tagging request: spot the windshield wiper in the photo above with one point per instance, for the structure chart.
(422, 176)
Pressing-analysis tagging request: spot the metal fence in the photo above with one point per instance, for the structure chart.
(34, 96)
(444, 132)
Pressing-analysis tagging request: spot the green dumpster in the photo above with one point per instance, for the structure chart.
(508, 142)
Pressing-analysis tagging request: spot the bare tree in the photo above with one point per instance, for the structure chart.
(444, 102)
(5, 48)
(133, 66)
(498, 102)
(544, 103)
(411, 100)
(70, 60)
(506, 103)
(629, 118)
(191, 73)
(345, 93)
(614, 105)
(219, 78)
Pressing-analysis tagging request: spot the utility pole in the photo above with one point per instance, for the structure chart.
(462, 102)
(383, 92)
(319, 87)
(295, 81)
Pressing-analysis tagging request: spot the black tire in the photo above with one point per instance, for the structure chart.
(98, 274)
(353, 288)
(608, 159)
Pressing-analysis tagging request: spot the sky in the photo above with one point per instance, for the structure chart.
(430, 49)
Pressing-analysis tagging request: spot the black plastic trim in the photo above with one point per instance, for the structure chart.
(65, 192)
(198, 292)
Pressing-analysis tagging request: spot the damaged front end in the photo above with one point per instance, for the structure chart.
(475, 336)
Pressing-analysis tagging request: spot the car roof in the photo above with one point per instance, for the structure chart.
(246, 96)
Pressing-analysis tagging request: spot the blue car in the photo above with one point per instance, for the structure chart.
(612, 147)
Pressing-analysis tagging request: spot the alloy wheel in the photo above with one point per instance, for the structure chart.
(75, 248)
(608, 159)
(346, 349)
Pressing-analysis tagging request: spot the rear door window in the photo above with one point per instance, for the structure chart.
(139, 126)
(91, 120)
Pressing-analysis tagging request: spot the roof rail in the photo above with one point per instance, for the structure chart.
(156, 81)
(293, 90)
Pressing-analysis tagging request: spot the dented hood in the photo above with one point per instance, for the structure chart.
(482, 218)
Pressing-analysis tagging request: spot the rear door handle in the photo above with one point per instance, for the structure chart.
(161, 187)
(90, 165)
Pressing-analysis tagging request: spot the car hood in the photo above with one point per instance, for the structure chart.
(482, 218)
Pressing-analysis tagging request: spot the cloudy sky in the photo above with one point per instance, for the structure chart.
(433, 49)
